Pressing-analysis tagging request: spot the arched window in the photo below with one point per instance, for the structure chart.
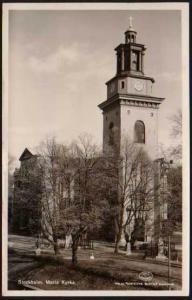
(139, 132)
(111, 134)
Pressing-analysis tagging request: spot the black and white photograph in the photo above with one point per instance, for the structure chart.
(95, 149)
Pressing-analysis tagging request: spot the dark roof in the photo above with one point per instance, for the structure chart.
(26, 155)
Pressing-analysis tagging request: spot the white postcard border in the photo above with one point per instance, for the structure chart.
(184, 8)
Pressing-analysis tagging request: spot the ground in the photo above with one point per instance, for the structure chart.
(106, 271)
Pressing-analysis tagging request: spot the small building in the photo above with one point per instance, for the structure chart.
(26, 207)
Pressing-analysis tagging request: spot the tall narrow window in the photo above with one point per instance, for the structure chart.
(135, 60)
(119, 63)
(122, 84)
(139, 132)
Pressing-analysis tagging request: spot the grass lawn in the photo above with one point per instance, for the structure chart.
(55, 276)
(106, 272)
(112, 273)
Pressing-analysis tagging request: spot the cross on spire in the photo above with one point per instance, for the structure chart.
(130, 22)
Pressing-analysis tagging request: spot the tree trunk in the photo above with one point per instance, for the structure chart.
(118, 238)
(74, 249)
(75, 238)
(55, 244)
(56, 248)
(116, 247)
(120, 229)
(74, 255)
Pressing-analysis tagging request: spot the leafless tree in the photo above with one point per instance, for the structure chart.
(11, 161)
(131, 173)
(175, 197)
(86, 211)
(56, 179)
(176, 134)
(176, 124)
(71, 196)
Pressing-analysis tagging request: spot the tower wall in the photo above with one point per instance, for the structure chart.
(111, 115)
(129, 85)
(149, 116)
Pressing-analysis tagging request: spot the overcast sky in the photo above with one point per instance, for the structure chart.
(59, 62)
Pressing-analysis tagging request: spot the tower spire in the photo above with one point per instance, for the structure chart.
(130, 34)
(130, 23)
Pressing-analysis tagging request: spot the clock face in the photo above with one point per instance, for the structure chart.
(139, 85)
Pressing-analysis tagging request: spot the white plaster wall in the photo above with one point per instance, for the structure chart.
(129, 115)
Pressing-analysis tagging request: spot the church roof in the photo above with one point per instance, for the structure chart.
(25, 155)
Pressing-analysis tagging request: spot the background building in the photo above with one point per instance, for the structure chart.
(27, 192)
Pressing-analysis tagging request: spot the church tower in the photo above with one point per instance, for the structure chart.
(131, 110)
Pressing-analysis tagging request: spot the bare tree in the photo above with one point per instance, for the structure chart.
(174, 178)
(86, 211)
(54, 162)
(131, 174)
(175, 174)
(176, 134)
(11, 161)
(176, 124)
(71, 196)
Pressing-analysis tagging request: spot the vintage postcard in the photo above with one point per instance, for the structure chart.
(95, 149)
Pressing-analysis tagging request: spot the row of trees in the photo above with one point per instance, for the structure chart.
(71, 190)
(79, 189)
(175, 173)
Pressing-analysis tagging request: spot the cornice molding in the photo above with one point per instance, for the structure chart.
(133, 100)
(139, 103)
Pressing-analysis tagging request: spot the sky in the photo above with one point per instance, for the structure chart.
(60, 60)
